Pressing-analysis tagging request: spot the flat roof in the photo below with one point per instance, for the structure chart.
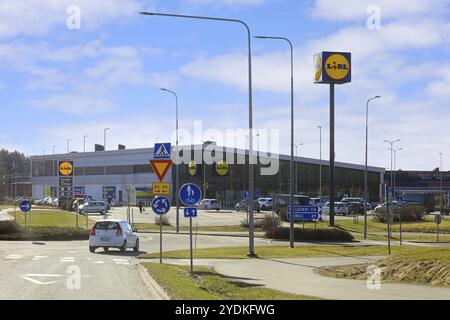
(140, 151)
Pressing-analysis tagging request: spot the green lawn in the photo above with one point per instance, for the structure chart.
(206, 284)
(155, 227)
(51, 218)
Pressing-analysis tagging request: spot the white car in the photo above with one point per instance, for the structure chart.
(93, 207)
(113, 234)
(265, 203)
(209, 204)
(339, 208)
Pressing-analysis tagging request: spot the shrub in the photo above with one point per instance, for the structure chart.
(8, 227)
(408, 213)
(266, 223)
(327, 234)
(165, 220)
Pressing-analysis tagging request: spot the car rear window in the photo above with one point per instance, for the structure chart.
(106, 225)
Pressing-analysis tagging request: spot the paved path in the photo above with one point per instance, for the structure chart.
(297, 275)
(4, 216)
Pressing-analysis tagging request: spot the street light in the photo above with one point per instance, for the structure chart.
(68, 145)
(392, 154)
(250, 112)
(176, 165)
(291, 186)
(84, 143)
(442, 191)
(320, 164)
(395, 167)
(365, 168)
(104, 138)
(296, 165)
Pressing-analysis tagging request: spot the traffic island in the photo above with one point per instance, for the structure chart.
(319, 235)
(11, 231)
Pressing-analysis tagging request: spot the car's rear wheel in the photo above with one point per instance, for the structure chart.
(92, 249)
(106, 249)
(123, 249)
(103, 212)
(136, 247)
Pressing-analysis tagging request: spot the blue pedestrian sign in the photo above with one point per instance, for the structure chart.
(25, 206)
(162, 151)
(160, 205)
(190, 212)
(190, 194)
(246, 195)
(304, 213)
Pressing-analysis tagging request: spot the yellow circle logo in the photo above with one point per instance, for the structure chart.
(192, 168)
(65, 168)
(222, 168)
(337, 66)
(317, 67)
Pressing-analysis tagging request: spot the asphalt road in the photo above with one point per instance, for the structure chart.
(50, 270)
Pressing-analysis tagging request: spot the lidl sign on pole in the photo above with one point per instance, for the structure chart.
(333, 67)
(304, 213)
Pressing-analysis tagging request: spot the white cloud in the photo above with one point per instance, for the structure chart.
(228, 2)
(357, 9)
(38, 18)
(76, 104)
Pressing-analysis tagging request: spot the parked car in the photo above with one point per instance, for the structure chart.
(93, 207)
(357, 204)
(265, 203)
(209, 204)
(76, 204)
(108, 234)
(243, 206)
(317, 201)
(339, 208)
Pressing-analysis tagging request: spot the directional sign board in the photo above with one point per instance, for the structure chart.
(25, 206)
(304, 213)
(161, 167)
(65, 181)
(162, 151)
(190, 194)
(161, 188)
(438, 219)
(190, 212)
(160, 205)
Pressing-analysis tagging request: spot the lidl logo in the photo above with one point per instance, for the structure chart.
(192, 168)
(332, 67)
(222, 168)
(66, 168)
(337, 66)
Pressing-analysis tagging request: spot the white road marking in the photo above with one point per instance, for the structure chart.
(122, 261)
(98, 262)
(13, 256)
(30, 277)
(67, 259)
(36, 258)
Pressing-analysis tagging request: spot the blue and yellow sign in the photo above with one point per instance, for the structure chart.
(333, 67)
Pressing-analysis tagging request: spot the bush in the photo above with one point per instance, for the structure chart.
(267, 223)
(14, 232)
(165, 220)
(408, 213)
(327, 235)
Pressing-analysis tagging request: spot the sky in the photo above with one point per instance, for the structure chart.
(62, 80)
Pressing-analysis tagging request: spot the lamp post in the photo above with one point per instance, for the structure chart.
(320, 164)
(442, 191)
(104, 138)
(296, 165)
(392, 179)
(365, 167)
(84, 143)
(176, 164)
(250, 112)
(68, 145)
(291, 186)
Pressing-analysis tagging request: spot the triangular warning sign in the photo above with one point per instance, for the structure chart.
(161, 167)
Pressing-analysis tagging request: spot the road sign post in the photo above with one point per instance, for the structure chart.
(438, 220)
(160, 206)
(25, 206)
(190, 213)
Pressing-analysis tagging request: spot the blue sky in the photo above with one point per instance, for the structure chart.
(58, 84)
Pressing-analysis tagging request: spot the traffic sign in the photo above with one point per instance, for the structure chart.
(246, 195)
(160, 205)
(66, 168)
(162, 151)
(304, 213)
(161, 167)
(190, 212)
(25, 206)
(438, 219)
(65, 181)
(161, 188)
(190, 194)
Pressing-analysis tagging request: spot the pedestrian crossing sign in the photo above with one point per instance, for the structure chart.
(162, 151)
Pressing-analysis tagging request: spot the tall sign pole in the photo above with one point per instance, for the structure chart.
(332, 68)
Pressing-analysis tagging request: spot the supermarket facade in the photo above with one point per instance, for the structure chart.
(126, 175)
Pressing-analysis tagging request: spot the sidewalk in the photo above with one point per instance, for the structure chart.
(4, 216)
(298, 276)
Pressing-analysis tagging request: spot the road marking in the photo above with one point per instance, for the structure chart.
(121, 261)
(98, 262)
(30, 277)
(13, 256)
(67, 259)
(36, 258)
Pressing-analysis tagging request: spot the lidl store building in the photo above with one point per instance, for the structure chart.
(126, 176)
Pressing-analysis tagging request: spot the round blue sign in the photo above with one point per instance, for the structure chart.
(25, 206)
(160, 205)
(190, 194)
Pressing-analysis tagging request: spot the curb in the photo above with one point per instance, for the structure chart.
(152, 286)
